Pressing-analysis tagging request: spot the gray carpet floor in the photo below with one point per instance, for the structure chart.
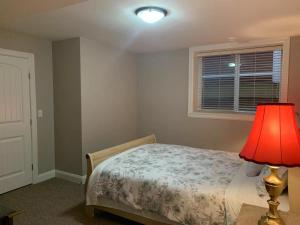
(55, 202)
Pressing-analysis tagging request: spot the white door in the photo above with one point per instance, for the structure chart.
(15, 130)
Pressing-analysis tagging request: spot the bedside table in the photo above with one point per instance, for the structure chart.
(250, 215)
(7, 215)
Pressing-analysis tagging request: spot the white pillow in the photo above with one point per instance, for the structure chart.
(253, 169)
(260, 184)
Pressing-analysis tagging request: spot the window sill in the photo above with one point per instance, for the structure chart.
(224, 116)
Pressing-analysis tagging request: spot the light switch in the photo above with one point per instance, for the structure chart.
(40, 113)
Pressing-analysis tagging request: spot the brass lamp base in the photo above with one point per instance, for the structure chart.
(264, 220)
(274, 186)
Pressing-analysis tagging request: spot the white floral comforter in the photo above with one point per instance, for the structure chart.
(185, 185)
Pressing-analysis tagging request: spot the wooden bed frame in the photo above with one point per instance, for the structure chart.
(93, 159)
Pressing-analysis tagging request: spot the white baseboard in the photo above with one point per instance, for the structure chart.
(44, 176)
(60, 174)
(70, 176)
(83, 179)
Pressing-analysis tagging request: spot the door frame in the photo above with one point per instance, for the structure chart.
(33, 109)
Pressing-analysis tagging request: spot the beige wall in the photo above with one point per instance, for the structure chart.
(42, 51)
(163, 103)
(117, 99)
(294, 96)
(67, 105)
(108, 92)
(294, 73)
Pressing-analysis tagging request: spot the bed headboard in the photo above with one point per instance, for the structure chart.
(294, 189)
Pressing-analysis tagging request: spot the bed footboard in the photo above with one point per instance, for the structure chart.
(93, 159)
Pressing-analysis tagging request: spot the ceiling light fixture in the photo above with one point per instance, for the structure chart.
(151, 14)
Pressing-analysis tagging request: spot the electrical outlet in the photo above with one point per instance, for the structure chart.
(40, 113)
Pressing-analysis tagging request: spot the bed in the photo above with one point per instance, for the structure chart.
(161, 184)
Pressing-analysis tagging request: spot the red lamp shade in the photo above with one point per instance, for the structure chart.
(274, 138)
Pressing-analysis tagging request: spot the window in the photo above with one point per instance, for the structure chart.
(234, 81)
(237, 82)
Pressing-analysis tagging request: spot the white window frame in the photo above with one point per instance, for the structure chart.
(196, 52)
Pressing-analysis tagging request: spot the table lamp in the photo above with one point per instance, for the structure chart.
(274, 140)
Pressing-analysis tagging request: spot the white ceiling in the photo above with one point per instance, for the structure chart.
(189, 23)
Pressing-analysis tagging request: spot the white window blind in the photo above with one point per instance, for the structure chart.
(239, 81)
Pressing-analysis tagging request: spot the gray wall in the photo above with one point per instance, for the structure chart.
(107, 73)
(163, 104)
(108, 91)
(42, 51)
(294, 96)
(294, 73)
(67, 105)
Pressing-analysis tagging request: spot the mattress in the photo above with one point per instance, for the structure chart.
(175, 185)
(183, 184)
